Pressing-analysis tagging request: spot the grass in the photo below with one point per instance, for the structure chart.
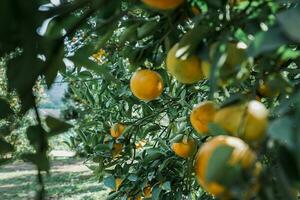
(69, 180)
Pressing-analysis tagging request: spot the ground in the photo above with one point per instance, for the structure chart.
(70, 179)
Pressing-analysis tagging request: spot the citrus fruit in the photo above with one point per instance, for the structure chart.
(140, 144)
(241, 155)
(138, 197)
(184, 147)
(146, 84)
(266, 90)
(116, 130)
(163, 4)
(235, 2)
(117, 148)
(195, 10)
(186, 71)
(147, 191)
(202, 115)
(118, 182)
(246, 120)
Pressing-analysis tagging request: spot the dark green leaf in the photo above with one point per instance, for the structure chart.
(215, 129)
(290, 22)
(110, 182)
(5, 131)
(166, 186)
(39, 159)
(156, 192)
(133, 177)
(281, 130)
(5, 147)
(5, 109)
(267, 41)
(217, 161)
(56, 126)
(34, 134)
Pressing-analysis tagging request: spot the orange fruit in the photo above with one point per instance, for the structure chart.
(163, 4)
(146, 84)
(117, 149)
(241, 154)
(147, 191)
(140, 144)
(195, 10)
(202, 115)
(184, 147)
(187, 70)
(265, 89)
(116, 130)
(118, 182)
(235, 2)
(138, 197)
(248, 121)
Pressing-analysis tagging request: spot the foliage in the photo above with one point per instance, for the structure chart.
(98, 44)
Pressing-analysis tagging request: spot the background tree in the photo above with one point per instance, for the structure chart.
(243, 56)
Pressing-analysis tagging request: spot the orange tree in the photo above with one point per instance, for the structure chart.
(182, 99)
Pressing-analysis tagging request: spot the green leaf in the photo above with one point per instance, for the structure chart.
(55, 64)
(39, 159)
(56, 126)
(147, 29)
(267, 41)
(133, 177)
(215, 129)
(102, 70)
(166, 186)
(152, 128)
(5, 147)
(5, 130)
(34, 134)
(156, 192)
(130, 34)
(217, 161)
(5, 109)
(281, 130)
(153, 154)
(290, 22)
(216, 3)
(110, 182)
(190, 41)
(103, 147)
(113, 196)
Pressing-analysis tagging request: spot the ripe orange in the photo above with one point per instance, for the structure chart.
(118, 182)
(186, 71)
(117, 149)
(147, 191)
(116, 130)
(202, 115)
(184, 147)
(248, 121)
(146, 84)
(235, 2)
(163, 4)
(195, 10)
(138, 197)
(265, 89)
(140, 144)
(241, 154)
